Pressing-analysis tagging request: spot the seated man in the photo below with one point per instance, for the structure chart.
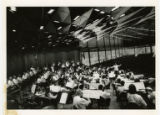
(79, 102)
(133, 97)
(19, 79)
(151, 97)
(10, 83)
(15, 81)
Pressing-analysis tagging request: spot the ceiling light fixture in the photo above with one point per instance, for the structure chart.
(102, 12)
(41, 27)
(51, 11)
(76, 17)
(49, 36)
(97, 10)
(59, 28)
(115, 8)
(56, 21)
(13, 30)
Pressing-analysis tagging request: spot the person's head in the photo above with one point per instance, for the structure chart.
(122, 83)
(100, 87)
(118, 80)
(132, 89)
(10, 78)
(149, 90)
(81, 87)
(14, 77)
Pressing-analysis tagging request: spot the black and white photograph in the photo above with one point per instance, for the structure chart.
(78, 57)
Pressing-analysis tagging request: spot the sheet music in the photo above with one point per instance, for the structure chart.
(95, 94)
(63, 99)
(33, 89)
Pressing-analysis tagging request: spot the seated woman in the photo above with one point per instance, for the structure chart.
(134, 98)
(79, 102)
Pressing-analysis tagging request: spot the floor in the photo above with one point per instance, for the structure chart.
(113, 104)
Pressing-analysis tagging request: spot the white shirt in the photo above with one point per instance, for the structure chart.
(95, 75)
(31, 73)
(35, 72)
(80, 103)
(54, 88)
(111, 74)
(116, 67)
(15, 81)
(135, 98)
(24, 77)
(19, 79)
(10, 83)
(46, 75)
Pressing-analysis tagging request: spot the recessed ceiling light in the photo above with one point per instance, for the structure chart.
(102, 12)
(49, 36)
(51, 11)
(76, 17)
(115, 8)
(59, 28)
(56, 21)
(14, 30)
(97, 10)
(122, 15)
(49, 42)
(41, 27)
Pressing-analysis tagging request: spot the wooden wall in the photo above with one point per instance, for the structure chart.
(21, 62)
